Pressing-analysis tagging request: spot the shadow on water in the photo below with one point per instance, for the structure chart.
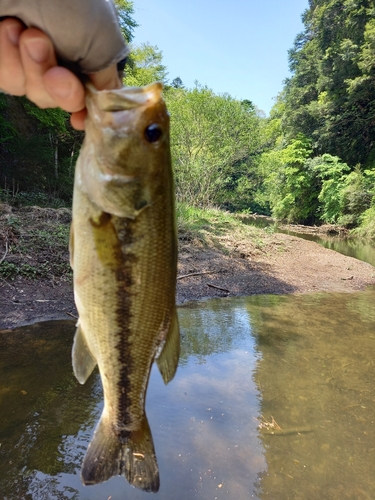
(306, 361)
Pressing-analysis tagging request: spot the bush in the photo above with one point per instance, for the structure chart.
(367, 227)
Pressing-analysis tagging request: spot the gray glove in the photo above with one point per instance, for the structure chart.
(85, 33)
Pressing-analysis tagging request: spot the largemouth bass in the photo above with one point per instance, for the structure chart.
(124, 256)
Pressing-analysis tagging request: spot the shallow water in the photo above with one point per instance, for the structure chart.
(307, 361)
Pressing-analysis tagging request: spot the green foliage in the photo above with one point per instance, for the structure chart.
(177, 83)
(290, 184)
(55, 119)
(367, 224)
(311, 161)
(329, 100)
(356, 196)
(125, 11)
(38, 150)
(330, 96)
(8, 270)
(145, 66)
(332, 173)
(213, 138)
(31, 198)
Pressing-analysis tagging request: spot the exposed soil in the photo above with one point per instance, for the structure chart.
(39, 285)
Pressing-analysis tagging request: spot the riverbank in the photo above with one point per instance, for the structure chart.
(219, 259)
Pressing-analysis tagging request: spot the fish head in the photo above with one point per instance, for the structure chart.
(127, 151)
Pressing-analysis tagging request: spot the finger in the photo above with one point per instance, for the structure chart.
(105, 79)
(77, 120)
(12, 78)
(38, 56)
(64, 88)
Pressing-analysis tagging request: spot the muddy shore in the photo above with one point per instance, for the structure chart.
(281, 264)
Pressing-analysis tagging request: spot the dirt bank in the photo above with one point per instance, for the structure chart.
(36, 283)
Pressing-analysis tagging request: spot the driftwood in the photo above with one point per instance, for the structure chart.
(72, 315)
(196, 274)
(218, 287)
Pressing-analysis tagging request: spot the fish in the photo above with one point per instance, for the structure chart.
(123, 251)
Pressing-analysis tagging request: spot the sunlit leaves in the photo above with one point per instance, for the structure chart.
(212, 136)
(125, 11)
(145, 66)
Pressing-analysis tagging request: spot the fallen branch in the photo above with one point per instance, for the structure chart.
(72, 315)
(27, 301)
(6, 252)
(218, 287)
(11, 286)
(196, 274)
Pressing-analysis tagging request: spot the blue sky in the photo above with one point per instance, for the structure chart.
(239, 47)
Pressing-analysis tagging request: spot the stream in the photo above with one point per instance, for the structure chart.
(306, 361)
(274, 398)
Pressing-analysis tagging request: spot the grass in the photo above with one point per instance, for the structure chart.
(36, 242)
(213, 227)
(37, 239)
(28, 199)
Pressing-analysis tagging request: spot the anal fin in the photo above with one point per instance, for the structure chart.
(168, 359)
(83, 360)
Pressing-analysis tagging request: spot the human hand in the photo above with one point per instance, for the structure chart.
(28, 66)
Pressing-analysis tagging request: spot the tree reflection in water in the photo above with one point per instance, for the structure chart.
(306, 361)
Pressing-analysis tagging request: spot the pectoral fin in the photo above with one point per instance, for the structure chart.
(83, 360)
(168, 360)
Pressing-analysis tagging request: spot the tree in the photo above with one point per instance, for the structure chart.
(330, 96)
(125, 11)
(39, 148)
(145, 66)
(212, 139)
(177, 83)
(290, 185)
(333, 173)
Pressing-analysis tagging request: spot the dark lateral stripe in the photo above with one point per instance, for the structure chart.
(124, 279)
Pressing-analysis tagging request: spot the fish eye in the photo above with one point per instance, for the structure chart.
(153, 132)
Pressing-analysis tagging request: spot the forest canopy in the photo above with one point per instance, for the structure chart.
(311, 161)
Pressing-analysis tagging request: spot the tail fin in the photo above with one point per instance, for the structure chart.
(133, 456)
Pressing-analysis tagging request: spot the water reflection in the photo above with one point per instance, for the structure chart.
(306, 361)
(319, 373)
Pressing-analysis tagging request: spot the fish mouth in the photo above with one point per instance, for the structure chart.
(124, 98)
